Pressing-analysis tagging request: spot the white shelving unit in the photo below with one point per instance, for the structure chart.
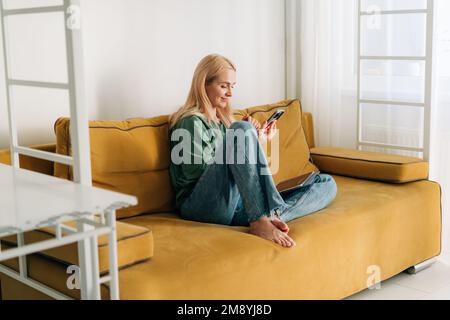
(427, 59)
(31, 193)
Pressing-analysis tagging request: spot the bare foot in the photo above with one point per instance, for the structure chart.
(265, 229)
(280, 225)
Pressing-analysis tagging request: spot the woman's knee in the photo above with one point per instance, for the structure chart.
(242, 125)
(325, 178)
(329, 185)
(242, 142)
(242, 131)
(326, 186)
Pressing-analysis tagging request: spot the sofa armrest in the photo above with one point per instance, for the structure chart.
(370, 165)
(30, 163)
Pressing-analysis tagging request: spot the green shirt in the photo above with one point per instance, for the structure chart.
(192, 148)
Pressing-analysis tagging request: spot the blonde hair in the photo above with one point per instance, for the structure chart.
(197, 102)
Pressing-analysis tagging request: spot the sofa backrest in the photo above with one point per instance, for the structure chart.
(132, 156)
(129, 156)
(31, 163)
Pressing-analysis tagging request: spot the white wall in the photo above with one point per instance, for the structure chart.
(140, 56)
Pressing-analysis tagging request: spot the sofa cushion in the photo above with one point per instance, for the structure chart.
(129, 156)
(294, 155)
(134, 245)
(370, 165)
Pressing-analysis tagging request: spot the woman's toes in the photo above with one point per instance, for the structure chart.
(266, 229)
(283, 240)
(293, 243)
(289, 240)
(284, 243)
(278, 241)
(277, 238)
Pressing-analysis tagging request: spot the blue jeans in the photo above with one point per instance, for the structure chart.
(238, 194)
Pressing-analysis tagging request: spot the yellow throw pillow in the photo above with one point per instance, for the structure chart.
(129, 156)
(294, 155)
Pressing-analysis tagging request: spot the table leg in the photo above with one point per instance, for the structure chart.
(89, 265)
(112, 247)
(23, 267)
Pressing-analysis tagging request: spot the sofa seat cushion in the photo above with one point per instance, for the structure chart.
(370, 226)
(391, 227)
(370, 165)
(134, 245)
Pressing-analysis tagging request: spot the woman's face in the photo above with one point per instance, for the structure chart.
(220, 90)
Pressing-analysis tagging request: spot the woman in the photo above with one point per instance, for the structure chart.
(231, 193)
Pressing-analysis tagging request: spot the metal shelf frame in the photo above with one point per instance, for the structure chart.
(80, 159)
(428, 59)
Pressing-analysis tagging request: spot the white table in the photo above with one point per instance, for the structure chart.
(29, 201)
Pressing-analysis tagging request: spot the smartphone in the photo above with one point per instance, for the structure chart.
(275, 116)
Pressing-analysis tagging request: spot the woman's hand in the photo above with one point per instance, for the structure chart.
(253, 121)
(267, 132)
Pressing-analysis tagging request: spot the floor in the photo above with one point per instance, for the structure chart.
(430, 284)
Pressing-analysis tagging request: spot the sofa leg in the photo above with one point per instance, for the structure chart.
(421, 266)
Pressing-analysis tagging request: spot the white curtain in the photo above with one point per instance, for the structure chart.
(329, 80)
(440, 147)
(328, 69)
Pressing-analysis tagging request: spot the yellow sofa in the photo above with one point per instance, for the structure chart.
(387, 215)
